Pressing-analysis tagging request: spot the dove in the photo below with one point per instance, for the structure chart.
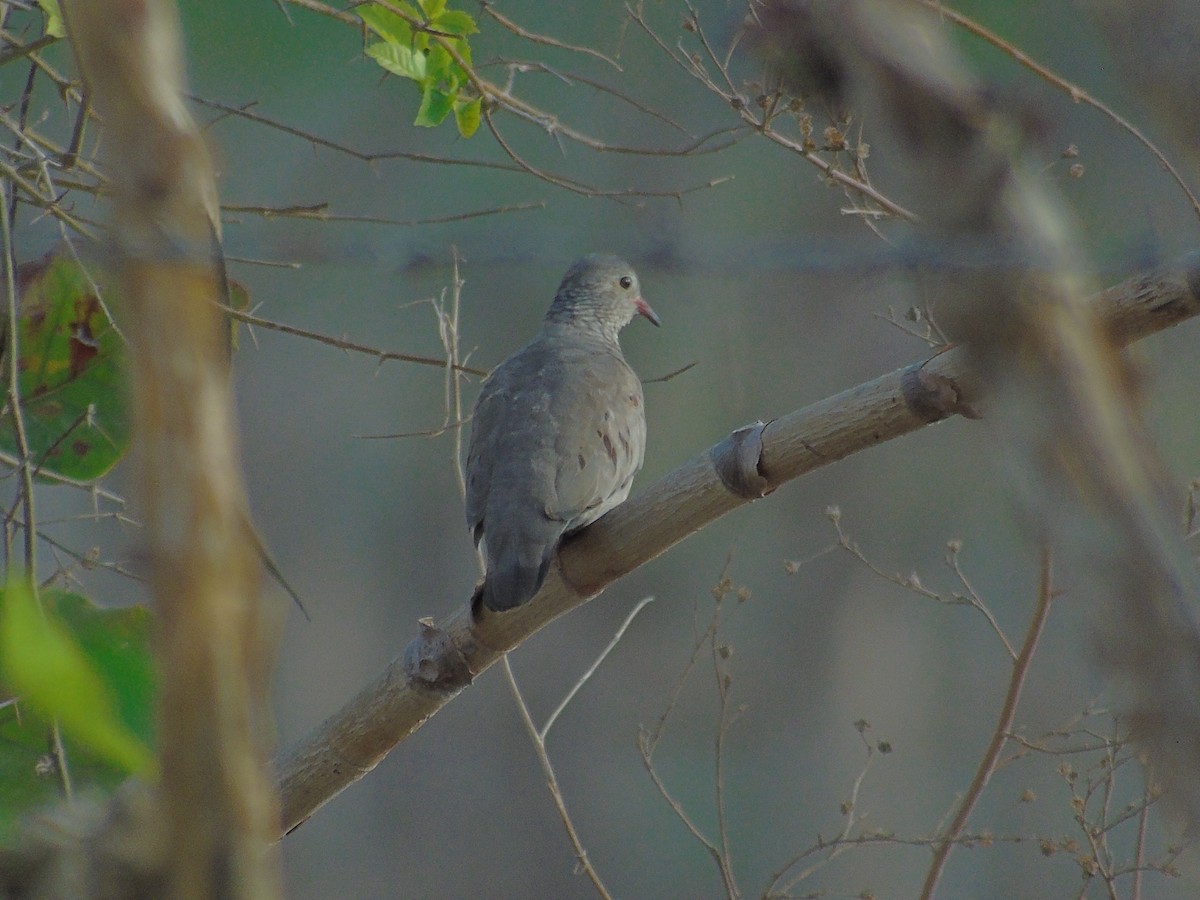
(558, 431)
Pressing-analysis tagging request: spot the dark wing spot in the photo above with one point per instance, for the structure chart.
(624, 439)
(582, 462)
(610, 449)
(633, 399)
(607, 414)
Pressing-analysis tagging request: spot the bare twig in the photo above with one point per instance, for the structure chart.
(760, 123)
(663, 379)
(648, 740)
(835, 847)
(535, 38)
(538, 737)
(62, 769)
(244, 112)
(448, 334)
(320, 212)
(1076, 93)
(591, 670)
(343, 344)
(539, 745)
(1008, 711)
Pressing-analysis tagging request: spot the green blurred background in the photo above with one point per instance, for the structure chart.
(779, 298)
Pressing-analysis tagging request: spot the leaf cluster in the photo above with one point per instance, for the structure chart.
(428, 45)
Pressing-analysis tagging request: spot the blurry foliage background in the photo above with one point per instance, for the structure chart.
(778, 296)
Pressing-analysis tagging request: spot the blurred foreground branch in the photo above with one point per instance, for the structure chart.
(749, 464)
(204, 829)
(1065, 405)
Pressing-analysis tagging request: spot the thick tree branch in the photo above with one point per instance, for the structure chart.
(750, 463)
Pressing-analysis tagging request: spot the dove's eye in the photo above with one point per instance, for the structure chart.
(626, 282)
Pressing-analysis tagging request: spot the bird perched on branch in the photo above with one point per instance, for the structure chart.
(558, 431)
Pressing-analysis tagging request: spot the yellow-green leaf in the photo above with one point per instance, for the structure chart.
(455, 22)
(398, 60)
(46, 669)
(464, 51)
(433, 8)
(435, 106)
(386, 24)
(466, 116)
(437, 66)
(54, 19)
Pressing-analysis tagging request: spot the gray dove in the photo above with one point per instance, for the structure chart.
(558, 431)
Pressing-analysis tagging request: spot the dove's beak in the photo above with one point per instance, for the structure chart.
(644, 309)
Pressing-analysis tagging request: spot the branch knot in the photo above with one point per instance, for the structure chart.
(736, 462)
(433, 662)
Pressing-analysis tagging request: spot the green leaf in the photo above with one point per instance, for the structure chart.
(433, 8)
(466, 115)
(464, 50)
(72, 373)
(54, 19)
(438, 68)
(407, 8)
(116, 641)
(239, 299)
(46, 667)
(399, 60)
(387, 24)
(435, 106)
(456, 23)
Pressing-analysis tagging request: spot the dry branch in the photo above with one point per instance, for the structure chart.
(754, 461)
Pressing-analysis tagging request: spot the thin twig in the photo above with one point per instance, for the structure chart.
(655, 735)
(12, 353)
(973, 599)
(646, 750)
(1008, 712)
(535, 38)
(591, 670)
(724, 721)
(663, 379)
(538, 736)
(581, 188)
(552, 783)
(245, 113)
(730, 96)
(843, 843)
(24, 463)
(537, 66)
(320, 212)
(1139, 855)
(448, 332)
(344, 344)
(446, 425)
(1076, 93)
(648, 740)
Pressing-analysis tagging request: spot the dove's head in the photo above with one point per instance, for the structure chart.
(602, 293)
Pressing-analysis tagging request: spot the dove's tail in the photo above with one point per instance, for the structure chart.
(509, 586)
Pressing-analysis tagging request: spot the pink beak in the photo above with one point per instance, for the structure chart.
(644, 309)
